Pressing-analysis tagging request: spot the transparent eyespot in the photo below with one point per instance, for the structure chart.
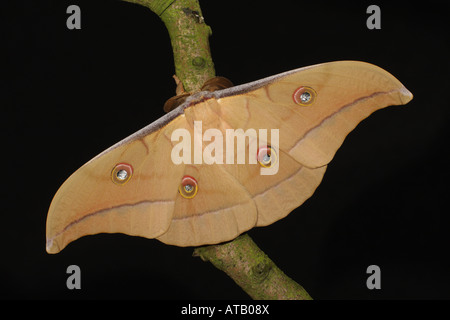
(121, 173)
(267, 156)
(188, 187)
(304, 96)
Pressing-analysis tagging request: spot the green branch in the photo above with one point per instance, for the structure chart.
(252, 270)
(189, 36)
(241, 258)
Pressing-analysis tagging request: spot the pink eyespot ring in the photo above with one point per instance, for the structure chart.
(188, 187)
(267, 156)
(304, 96)
(121, 173)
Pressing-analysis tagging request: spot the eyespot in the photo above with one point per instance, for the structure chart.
(121, 173)
(304, 96)
(267, 156)
(188, 187)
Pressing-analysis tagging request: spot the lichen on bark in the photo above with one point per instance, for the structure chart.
(252, 270)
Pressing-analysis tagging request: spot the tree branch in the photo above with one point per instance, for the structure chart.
(189, 37)
(241, 258)
(252, 270)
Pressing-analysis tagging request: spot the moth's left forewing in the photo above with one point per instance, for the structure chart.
(90, 202)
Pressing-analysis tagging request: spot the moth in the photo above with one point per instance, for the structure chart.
(134, 187)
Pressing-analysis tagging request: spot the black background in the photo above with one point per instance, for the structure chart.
(70, 94)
